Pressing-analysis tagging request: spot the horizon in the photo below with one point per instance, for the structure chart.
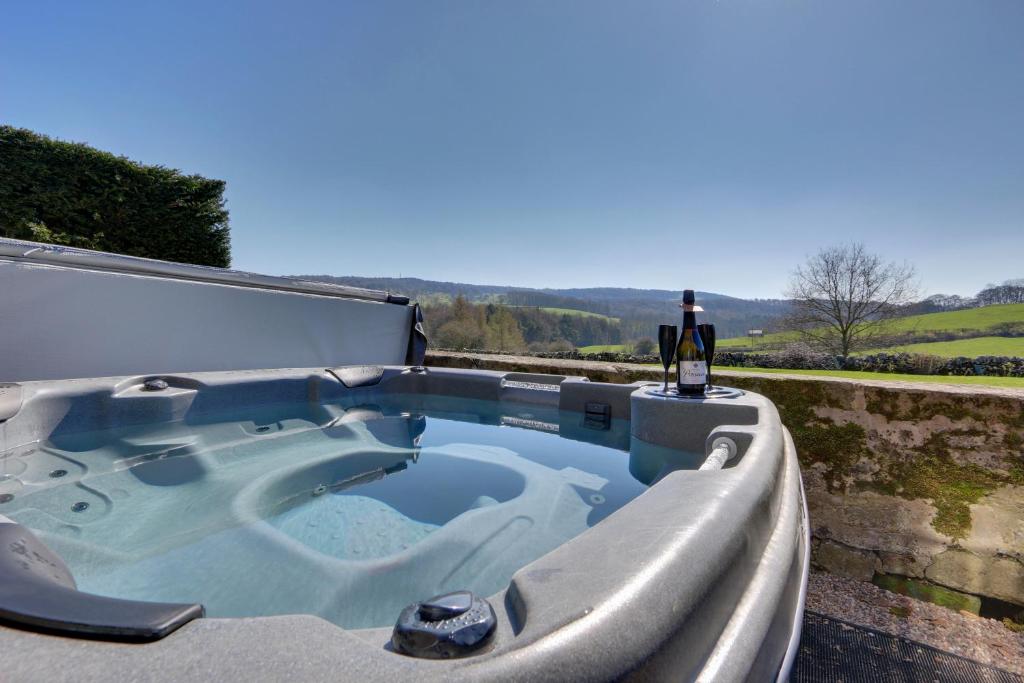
(710, 146)
(921, 297)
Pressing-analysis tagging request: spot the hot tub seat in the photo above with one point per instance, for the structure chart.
(480, 528)
(37, 591)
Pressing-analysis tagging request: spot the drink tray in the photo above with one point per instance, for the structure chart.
(713, 392)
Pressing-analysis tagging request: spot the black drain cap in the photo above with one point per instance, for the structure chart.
(445, 606)
(444, 627)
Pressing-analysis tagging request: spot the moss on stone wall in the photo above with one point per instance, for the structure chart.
(819, 440)
(837, 446)
(912, 405)
(951, 486)
(1015, 468)
(929, 471)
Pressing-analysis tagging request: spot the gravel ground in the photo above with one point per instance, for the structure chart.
(961, 633)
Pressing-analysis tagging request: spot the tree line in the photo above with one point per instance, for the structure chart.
(1010, 292)
(496, 327)
(72, 194)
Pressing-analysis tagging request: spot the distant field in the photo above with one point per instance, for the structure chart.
(569, 311)
(969, 319)
(977, 346)
(971, 348)
(573, 311)
(606, 348)
(1011, 382)
(744, 342)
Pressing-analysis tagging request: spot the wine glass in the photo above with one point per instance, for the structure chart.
(667, 338)
(707, 335)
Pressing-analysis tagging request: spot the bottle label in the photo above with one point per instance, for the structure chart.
(693, 372)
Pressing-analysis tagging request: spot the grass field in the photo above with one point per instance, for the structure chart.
(571, 311)
(973, 319)
(971, 348)
(1011, 382)
(967, 319)
(744, 342)
(761, 342)
(606, 348)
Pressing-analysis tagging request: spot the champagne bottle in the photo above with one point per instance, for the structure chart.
(691, 366)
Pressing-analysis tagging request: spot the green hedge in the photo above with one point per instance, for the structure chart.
(69, 193)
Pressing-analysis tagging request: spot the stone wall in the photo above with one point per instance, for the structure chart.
(902, 480)
(802, 358)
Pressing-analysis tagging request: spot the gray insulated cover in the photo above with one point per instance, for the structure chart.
(75, 320)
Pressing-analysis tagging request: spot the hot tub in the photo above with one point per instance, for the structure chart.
(256, 525)
(178, 501)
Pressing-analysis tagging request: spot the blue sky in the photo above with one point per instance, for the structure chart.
(647, 144)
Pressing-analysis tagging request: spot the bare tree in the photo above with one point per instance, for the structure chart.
(842, 297)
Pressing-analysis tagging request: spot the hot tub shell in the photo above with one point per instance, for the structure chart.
(701, 577)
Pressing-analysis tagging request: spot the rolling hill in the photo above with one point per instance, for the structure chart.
(968, 332)
(984, 331)
(969, 348)
(639, 311)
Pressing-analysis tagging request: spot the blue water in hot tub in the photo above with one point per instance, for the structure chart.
(347, 512)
